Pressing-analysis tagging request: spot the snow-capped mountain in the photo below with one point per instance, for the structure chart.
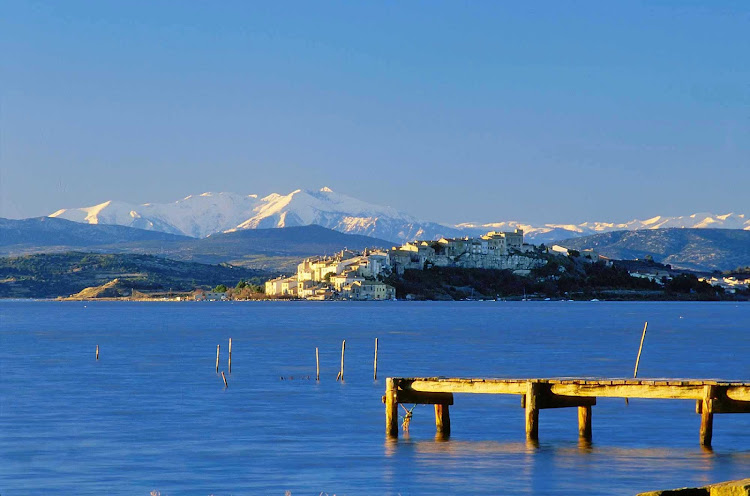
(552, 232)
(209, 213)
(342, 213)
(195, 215)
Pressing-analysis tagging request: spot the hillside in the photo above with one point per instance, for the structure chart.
(41, 234)
(262, 249)
(64, 274)
(302, 241)
(695, 249)
(111, 289)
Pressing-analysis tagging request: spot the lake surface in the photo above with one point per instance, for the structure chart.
(153, 415)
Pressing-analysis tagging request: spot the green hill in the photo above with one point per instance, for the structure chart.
(64, 274)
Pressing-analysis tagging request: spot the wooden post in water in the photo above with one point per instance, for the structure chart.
(391, 409)
(229, 365)
(638, 358)
(97, 352)
(375, 373)
(225, 379)
(532, 411)
(707, 416)
(442, 420)
(317, 364)
(217, 358)
(343, 348)
(640, 349)
(584, 422)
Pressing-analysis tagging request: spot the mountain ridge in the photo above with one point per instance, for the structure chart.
(210, 213)
(264, 249)
(693, 249)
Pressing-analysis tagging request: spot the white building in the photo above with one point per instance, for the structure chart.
(282, 286)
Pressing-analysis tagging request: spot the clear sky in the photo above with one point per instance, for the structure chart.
(452, 111)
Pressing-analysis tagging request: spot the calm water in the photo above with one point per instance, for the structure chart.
(152, 414)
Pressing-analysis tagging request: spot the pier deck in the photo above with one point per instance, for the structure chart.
(711, 396)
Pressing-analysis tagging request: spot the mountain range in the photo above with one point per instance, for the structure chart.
(692, 249)
(210, 213)
(261, 249)
(30, 234)
(280, 249)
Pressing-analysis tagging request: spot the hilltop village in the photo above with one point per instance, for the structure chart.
(350, 275)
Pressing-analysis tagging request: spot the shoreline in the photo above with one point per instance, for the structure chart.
(401, 300)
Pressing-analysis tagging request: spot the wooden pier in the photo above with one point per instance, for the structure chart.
(537, 394)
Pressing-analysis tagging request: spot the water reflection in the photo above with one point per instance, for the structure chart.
(585, 445)
(530, 466)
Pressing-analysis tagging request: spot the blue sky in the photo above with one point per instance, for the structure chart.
(452, 111)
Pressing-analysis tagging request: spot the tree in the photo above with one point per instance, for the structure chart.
(220, 289)
(241, 284)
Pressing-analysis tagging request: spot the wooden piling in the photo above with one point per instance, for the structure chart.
(707, 415)
(584, 422)
(225, 379)
(217, 357)
(317, 365)
(532, 411)
(375, 372)
(229, 364)
(640, 349)
(391, 409)
(343, 349)
(638, 358)
(442, 420)
(97, 352)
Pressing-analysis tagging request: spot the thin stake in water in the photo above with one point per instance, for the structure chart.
(97, 352)
(317, 364)
(638, 358)
(640, 349)
(341, 372)
(229, 365)
(218, 346)
(375, 372)
(225, 379)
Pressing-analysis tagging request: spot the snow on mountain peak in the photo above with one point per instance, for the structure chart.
(195, 216)
(208, 213)
(555, 232)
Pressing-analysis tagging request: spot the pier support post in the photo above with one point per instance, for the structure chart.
(391, 409)
(707, 415)
(532, 410)
(584, 422)
(443, 420)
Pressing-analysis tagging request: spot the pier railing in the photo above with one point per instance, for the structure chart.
(711, 396)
